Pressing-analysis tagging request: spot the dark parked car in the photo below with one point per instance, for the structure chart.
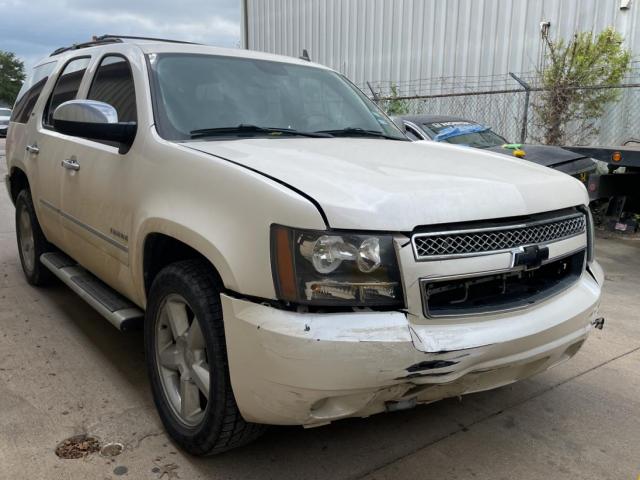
(441, 128)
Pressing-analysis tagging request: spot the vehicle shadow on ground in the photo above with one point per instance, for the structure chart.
(343, 449)
(346, 449)
(124, 351)
(352, 447)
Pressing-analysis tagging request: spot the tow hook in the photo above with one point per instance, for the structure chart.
(598, 323)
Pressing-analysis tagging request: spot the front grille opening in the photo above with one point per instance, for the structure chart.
(505, 291)
(499, 238)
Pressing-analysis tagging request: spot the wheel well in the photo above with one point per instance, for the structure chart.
(162, 250)
(19, 182)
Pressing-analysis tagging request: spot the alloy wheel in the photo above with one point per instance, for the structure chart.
(27, 241)
(181, 359)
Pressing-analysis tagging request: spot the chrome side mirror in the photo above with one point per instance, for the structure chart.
(94, 120)
(85, 111)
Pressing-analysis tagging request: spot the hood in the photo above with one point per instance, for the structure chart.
(551, 156)
(376, 184)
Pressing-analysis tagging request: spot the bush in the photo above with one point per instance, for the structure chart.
(597, 63)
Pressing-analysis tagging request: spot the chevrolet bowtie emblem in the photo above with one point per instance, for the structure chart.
(530, 257)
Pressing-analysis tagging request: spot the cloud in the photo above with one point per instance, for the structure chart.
(33, 29)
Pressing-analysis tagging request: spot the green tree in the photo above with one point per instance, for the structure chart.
(11, 77)
(584, 61)
(395, 105)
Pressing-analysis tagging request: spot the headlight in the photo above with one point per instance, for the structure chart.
(335, 269)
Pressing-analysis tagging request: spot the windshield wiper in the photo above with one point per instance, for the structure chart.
(244, 128)
(360, 132)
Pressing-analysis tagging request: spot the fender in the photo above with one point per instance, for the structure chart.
(183, 234)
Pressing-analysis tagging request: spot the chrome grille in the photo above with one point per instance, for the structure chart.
(476, 241)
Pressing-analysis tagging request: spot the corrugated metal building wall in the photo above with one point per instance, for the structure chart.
(426, 47)
(403, 40)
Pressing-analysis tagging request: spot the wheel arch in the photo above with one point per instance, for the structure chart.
(170, 243)
(18, 181)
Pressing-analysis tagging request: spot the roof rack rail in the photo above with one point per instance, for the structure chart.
(131, 37)
(96, 41)
(108, 38)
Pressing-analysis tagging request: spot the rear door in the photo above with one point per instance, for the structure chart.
(32, 145)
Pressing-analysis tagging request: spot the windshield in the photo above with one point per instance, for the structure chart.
(465, 133)
(196, 93)
(5, 112)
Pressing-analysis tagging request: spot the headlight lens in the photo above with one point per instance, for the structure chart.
(322, 268)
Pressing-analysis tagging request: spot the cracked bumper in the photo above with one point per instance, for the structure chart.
(307, 369)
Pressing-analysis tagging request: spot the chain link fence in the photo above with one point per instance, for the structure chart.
(506, 103)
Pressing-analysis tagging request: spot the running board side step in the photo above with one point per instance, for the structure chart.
(122, 313)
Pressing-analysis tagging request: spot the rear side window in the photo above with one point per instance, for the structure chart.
(30, 92)
(113, 84)
(67, 86)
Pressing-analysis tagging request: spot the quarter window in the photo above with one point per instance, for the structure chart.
(30, 92)
(67, 86)
(113, 84)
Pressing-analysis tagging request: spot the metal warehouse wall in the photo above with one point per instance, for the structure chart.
(402, 40)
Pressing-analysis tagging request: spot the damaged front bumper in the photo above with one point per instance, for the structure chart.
(309, 369)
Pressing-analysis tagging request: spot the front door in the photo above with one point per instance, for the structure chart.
(97, 215)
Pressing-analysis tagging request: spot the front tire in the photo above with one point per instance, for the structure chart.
(187, 362)
(31, 241)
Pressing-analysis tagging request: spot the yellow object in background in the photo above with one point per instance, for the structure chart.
(515, 148)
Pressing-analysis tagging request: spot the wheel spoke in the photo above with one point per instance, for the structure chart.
(182, 360)
(26, 223)
(195, 340)
(177, 316)
(189, 398)
(170, 357)
(25, 232)
(201, 377)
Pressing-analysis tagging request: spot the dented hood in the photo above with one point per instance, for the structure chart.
(377, 184)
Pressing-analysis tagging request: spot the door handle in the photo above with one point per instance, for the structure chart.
(32, 149)
(70, 164)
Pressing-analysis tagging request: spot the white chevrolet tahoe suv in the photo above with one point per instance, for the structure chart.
(293, 257)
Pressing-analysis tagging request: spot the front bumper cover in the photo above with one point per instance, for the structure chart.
(309, 369)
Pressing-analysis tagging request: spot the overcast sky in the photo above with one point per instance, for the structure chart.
(32, 29)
